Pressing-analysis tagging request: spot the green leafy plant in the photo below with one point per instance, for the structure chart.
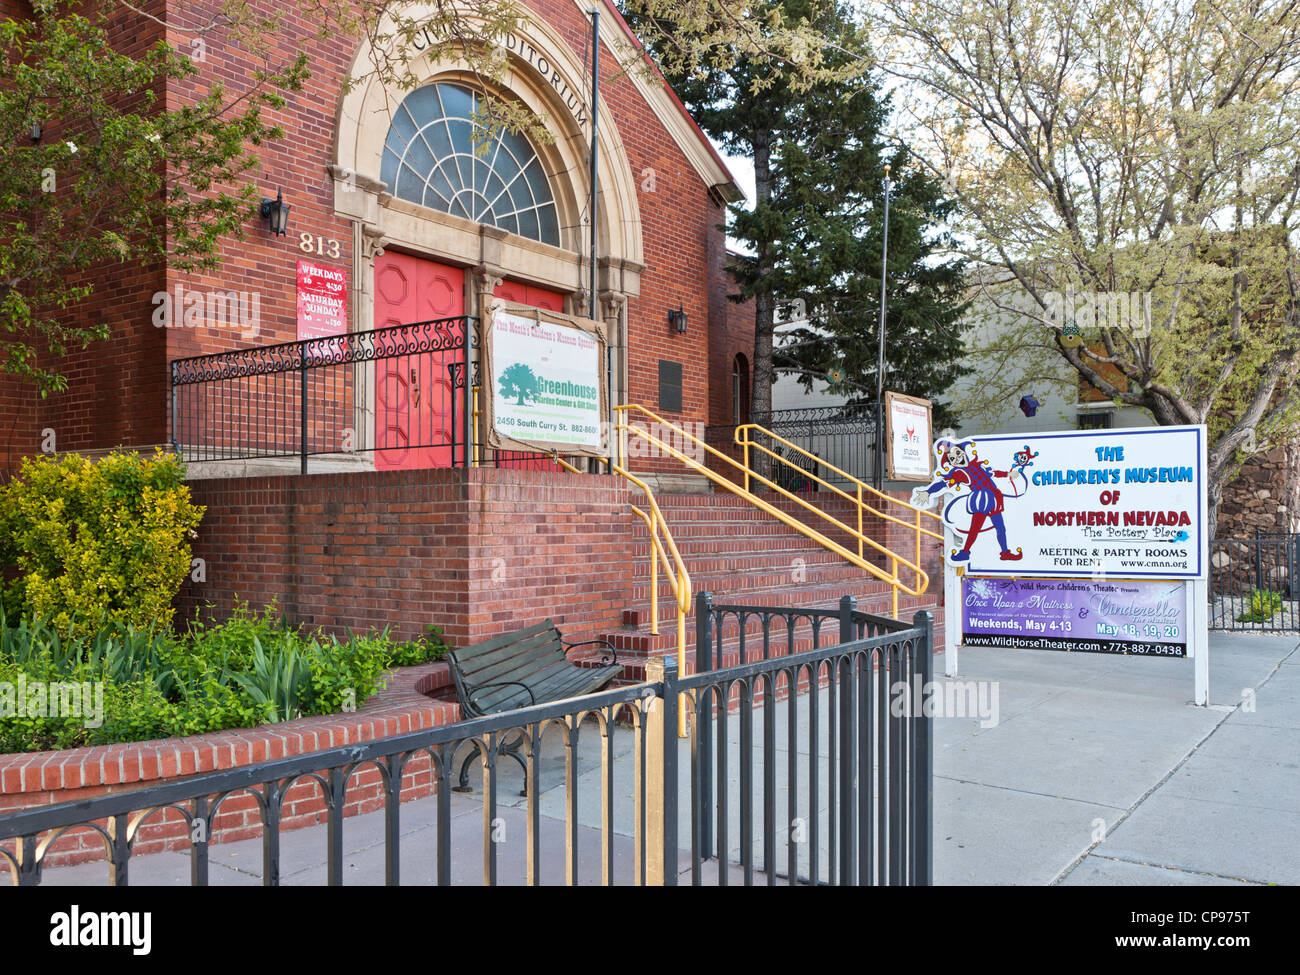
(1264, 605)
(96, 542)
(428, 647)
(250, 669)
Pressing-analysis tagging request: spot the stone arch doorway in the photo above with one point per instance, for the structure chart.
(494, 251)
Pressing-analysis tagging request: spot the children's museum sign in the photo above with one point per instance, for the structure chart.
(1094, 504)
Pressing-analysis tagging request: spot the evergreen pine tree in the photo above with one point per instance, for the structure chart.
(814, 228)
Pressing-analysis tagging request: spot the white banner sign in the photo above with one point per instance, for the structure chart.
(909, 437)
(546, 382)
(1128, 503)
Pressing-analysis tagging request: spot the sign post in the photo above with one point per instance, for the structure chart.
(1090, 541)
(951, 607)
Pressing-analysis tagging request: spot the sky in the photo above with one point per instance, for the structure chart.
(743, 169)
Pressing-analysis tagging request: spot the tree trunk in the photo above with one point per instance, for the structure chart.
(760, 403)
(1214, 495)
(764, 304)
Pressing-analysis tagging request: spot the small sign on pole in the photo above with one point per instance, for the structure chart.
(907, 420)
(322, 300)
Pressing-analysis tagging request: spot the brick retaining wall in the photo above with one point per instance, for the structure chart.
(36, 779)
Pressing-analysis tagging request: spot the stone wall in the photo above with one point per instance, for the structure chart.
(1264, 497)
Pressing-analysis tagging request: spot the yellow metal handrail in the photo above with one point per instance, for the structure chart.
(857, 558)
(742, 439)
(660, 548)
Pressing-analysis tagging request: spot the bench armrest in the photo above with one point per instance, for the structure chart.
(609, 658)
(504, 683)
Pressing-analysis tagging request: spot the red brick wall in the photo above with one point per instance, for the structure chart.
(477, 552)
(680, 218)
(733, 334)
(117, 389)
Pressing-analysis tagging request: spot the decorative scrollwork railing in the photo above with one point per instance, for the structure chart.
(437, 335)
(387, 395)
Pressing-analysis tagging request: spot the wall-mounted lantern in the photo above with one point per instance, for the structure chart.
(677, 320)
(276, 214)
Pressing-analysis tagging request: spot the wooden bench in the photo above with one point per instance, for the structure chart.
(517, 670)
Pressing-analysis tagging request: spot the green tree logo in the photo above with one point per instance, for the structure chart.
(519, 381)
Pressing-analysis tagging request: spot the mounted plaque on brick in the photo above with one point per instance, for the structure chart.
(670, 386)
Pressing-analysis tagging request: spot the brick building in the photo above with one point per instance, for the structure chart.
(388, 197)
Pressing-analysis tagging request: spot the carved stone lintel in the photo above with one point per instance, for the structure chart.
(364, 183)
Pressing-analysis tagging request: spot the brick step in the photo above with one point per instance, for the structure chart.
(741, 560)
(762, 521)
(763, 576)
(633, 659)
(703, 518)
(744, 556)
(635, 647)
(745, 537)
(644, 645)
(873, 598)
(844, 511)
(758, 526)
(725, 499)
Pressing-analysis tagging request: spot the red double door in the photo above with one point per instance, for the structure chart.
(416, 410)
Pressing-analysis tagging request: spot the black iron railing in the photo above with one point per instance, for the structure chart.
(872, 760)
(388, 398)
(842, 436)
(879, 762)
(876, 761)
(1255, 583)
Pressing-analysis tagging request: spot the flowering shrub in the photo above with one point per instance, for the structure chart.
(1264, 605)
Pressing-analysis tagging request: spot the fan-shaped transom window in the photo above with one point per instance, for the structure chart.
(429, 159)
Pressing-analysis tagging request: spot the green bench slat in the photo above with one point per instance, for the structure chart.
(526, 661)
(504, 639)
(582, 681)
(533, 657)
(552, 684)
(477, 663)
(534, 682)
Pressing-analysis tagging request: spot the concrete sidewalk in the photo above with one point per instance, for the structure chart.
(1098, 771)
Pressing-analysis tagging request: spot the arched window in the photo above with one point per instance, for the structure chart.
(739, 390)
(430, 159)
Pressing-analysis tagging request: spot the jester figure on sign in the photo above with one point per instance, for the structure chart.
(972, 481)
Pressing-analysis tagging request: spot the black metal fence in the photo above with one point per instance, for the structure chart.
(1255, 583)
(797, 771)
(850, 744)
(388, 398)
(842, 436)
